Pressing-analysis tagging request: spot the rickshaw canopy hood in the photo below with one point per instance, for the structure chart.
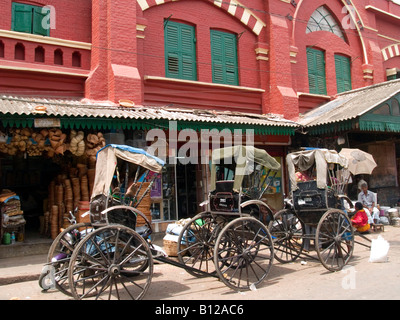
(106, 161)
(305, 159)
(245, 158)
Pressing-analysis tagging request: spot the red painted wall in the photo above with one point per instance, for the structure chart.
(207, 16)
(327, 42)
(72, 22)
(73, 17)
(122, 56)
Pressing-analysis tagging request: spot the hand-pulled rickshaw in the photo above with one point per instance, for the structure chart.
(231, 239)
(236, 239)
(317, 210)
(110, 254)
(112, 258)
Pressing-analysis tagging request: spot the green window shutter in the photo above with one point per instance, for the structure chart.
(172, 50)
(316, 71)
(21, 17)
(217, 57)
(343, 73)
(188, 53)
(224, 58)
(41, 21)
(29, 19)
(180, 51)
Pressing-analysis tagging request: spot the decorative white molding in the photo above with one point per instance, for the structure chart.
(45, 40)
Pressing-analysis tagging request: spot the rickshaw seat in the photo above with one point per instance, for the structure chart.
(224, 186)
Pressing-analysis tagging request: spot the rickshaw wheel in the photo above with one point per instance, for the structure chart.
(243, 253)
(287, 232)
(196, 244)
(108, 264)
(62, 248)
(334, 240)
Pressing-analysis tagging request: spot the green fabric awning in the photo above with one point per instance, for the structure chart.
(145, 124)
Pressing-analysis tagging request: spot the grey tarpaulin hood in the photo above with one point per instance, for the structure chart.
(304, 160)
(245, 157)
(107, 161)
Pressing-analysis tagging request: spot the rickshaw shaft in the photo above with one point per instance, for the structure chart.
(180, 265)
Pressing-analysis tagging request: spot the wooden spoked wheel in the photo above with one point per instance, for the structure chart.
(334, 240)
(243, 253)
(287, 232)
(112, 263)
(60, 253)
(196, 243)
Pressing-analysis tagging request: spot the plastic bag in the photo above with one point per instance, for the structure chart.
(379, 250)
(174, 229)
(384, 220)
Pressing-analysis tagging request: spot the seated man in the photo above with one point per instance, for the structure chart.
(360, 219)
(367, 198)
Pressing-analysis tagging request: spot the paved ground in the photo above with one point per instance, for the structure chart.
(359, 280)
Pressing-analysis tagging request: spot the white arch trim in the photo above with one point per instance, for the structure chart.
(247, 17)
(354, 15)
(391, 51)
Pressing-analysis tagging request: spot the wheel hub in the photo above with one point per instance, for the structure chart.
(114, 270)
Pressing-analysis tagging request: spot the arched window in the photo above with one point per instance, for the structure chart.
(19, 53)
(322, 20)
(58, 57)
(39, 54)
(383, 110)
(76, 59)
(395, 107)
(1, 49)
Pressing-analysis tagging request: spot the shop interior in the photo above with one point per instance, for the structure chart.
(44, 186)
(53, 175)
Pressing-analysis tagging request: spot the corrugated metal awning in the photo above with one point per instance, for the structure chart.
(346, 110)
(20, 112)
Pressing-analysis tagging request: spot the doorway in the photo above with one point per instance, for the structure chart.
(186, 190)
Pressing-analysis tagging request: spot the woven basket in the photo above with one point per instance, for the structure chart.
(83, 207)
(144, 205)
(171, 247)
(54, 222)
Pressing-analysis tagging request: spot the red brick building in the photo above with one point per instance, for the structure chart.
(272, 39)
(108, 50)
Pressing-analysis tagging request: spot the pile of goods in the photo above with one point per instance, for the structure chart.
(51, 142)
(68, 191)
(170, 240)
(77, 145)
(394, 216)
(57, 142)
(94, 142)
(12, 216)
